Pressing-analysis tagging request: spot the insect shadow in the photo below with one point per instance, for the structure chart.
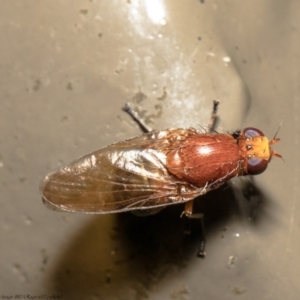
(114, 252)
(162, 237)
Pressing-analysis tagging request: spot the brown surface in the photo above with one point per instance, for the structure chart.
(67, 67)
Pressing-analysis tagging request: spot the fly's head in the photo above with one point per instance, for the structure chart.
(256, 150)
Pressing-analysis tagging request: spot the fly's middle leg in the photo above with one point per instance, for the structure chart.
(188, 213)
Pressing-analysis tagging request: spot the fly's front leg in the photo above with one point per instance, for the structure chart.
(135, 116)
(188, 212)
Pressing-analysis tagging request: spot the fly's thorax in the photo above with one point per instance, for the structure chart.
(203, 159)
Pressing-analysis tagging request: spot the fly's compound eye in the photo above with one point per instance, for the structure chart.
(250, 132)
(256, 165)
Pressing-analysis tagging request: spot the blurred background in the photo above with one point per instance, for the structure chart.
(66, 70)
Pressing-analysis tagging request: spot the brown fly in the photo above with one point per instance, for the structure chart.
(146, 173)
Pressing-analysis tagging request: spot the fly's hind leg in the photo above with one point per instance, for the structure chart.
(214, 118)
(135, 116)
(188, 213)
(145, 128)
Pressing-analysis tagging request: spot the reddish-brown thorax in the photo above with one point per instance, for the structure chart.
(203, 159)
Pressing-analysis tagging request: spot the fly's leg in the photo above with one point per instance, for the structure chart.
(188, 212)
(145, 128)
(211, 125)
(214, 118)
(188, 209)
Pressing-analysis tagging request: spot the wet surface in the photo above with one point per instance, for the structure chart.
(67, 70)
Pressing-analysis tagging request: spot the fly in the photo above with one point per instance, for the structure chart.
(159, 168)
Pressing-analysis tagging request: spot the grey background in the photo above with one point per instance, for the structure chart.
(67, 68)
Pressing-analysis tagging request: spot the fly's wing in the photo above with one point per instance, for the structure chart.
(125, 176)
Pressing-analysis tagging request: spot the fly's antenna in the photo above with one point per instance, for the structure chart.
(274, 138)
(274, 141)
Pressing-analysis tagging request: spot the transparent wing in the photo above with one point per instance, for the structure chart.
(125, 176)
